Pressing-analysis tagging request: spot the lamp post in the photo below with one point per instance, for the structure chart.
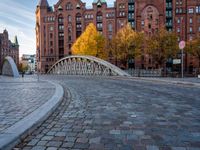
(182, 46)
(182, 65)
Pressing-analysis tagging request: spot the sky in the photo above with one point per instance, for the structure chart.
(18, 17)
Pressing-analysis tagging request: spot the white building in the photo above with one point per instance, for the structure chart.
(30, 61)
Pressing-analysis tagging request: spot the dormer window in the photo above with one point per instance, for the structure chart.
(98, 4)
(78, 6)
(60, 8)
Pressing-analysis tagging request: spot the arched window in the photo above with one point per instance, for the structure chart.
(110, 27)
(60, 19)
(69, 18)
(99, 16)
(99, 21)
(69, 30)
(78, 25)
(69, 6)
(78, 17)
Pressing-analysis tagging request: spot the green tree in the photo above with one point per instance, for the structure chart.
(91, 42)
(193, 47)
(162, 46)
(127, 44)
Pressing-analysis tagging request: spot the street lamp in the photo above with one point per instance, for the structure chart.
(182, 46)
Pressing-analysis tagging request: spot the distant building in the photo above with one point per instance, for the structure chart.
(7, 48)
(30, 61)
(58, 27)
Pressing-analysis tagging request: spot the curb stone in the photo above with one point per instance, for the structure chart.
(22, 128)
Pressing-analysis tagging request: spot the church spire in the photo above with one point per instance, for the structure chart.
(43, 3)
(16, 41)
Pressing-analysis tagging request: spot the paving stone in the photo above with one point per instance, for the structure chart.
(115, 132)
(152, 147)
(38, 148)
(70, 139)
(54, 144)
(19, 98)
(42, 143)
(47, 138)
(68, 145)
(122, 114)
(82, 140)
(33, 142)
(52, 148)
(95, 140)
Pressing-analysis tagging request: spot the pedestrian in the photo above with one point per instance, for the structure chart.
(22, 74)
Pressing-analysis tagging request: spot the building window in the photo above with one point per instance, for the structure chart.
(122, 14)
(110, 27)
(199, 29)
(178, 30)
(51, 28)
(99, 17)
(122, 6)
(178, 20)
(69, 30)
(69, 38)
(61, 27)
(131, 15)
(69, 6)
(51, 51)
(60, 19)
(142, 23)
(190, 38)
(99, 26)
(78, 17)
(190, 10)
(190, 29)
(51, 35)
(191, 20)
(69, 18)
(131, 7)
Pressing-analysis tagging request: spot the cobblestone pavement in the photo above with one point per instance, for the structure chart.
(191, 80)
(18, 99)
(114, 114)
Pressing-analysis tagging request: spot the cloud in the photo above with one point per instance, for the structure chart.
(26, 38)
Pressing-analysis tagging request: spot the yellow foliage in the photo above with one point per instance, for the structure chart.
(127, 44)
(91, 42)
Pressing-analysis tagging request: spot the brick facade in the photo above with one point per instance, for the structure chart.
(7, 48)
(58, 27)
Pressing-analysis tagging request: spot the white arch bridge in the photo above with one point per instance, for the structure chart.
(85, 65)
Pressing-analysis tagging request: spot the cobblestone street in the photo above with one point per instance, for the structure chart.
(18, 99)
(114, 114)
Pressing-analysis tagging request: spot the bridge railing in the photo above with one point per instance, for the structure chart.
(145, 73)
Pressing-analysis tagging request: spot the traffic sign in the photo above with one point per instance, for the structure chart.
(176, 61)
(182, 44)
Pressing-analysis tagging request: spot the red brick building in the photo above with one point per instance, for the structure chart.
(58, 27)
(7, 48)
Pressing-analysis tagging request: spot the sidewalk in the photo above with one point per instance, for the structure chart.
(183, 81)
(20, 99)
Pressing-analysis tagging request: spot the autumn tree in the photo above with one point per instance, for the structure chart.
(126, 44)
(23, 67)
(161, 46)
(91, 42)
(193, 47)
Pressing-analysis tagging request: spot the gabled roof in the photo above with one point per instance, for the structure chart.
(43, 3)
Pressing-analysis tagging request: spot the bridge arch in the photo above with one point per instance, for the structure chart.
(85, 65)
(9, 67)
